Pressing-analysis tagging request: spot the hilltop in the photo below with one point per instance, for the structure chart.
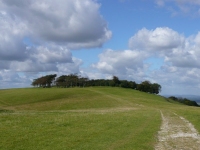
(85, 118)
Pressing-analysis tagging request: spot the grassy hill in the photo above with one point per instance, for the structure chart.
(84, 118)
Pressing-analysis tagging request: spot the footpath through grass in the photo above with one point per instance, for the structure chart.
(83, 118)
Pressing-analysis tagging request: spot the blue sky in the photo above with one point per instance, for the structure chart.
(155, 40)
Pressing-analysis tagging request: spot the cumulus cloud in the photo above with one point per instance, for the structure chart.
(119, 61)
(71, 67)
(11, 38)
(187, 57)
(13, 78)
(177, 80)
(38, 36)
(39, 59)
(179, 55)
(124, 63)
(51, 54)
(183, 59)
(162, 38)
(168, 44)
(64, 24)
(31, 66)
(197, 39)
(75, 23)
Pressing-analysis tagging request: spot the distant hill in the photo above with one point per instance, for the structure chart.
(190, 97)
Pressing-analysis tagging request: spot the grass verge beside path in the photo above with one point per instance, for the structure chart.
(134, 129)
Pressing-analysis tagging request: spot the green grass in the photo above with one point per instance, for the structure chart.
(83, 118)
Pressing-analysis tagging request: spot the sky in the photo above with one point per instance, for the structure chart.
(135, 40)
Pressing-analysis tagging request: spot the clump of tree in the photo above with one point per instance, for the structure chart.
(147, 86)
(45, 81)
(184, 101)
(72, 80)
(75, 80)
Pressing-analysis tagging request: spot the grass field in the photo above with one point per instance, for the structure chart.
(95, 118)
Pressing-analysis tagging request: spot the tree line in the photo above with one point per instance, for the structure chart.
(75, 80)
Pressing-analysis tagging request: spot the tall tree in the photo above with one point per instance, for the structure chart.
(145, 86)
(155, 88)
(116, 80)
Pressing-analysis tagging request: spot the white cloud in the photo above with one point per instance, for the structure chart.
(71, 67)
(197, 39)
(52, 29)
(31, 66)
(9, 78)
(168, 44)
(177, 80)
(37, 36)
(188, 56)
(156, 40)
(119, 61)
(39, 59)
(53, 54)
(74, 23)
(11, 38)
(180, 66)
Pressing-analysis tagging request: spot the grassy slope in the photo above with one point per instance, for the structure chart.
(83, 118)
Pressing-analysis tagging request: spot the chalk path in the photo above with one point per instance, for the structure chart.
(177, 133)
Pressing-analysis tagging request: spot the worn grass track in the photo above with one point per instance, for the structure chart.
(83, 118)
(177, 133)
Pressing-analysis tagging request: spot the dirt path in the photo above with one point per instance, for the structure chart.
(177, 133)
